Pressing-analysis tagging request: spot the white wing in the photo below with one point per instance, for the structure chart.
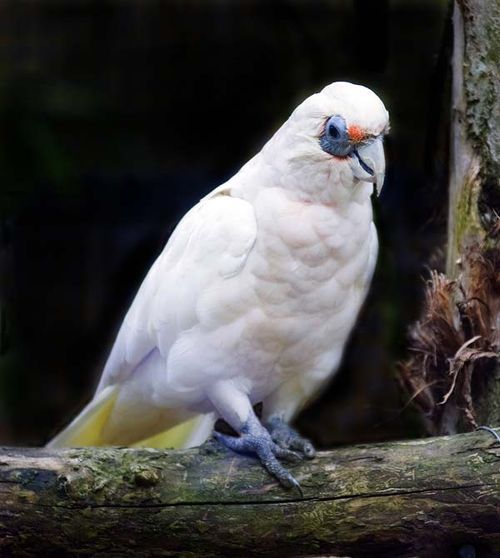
(210, 244)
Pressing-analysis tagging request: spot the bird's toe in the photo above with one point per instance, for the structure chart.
(288, 438)
(268, 453)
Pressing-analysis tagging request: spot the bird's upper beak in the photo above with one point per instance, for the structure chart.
(368, 163)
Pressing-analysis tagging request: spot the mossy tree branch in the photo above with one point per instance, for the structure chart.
(418, 498)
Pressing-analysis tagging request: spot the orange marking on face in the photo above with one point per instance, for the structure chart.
(356, 133)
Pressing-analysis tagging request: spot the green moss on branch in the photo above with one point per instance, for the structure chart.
(419, 498)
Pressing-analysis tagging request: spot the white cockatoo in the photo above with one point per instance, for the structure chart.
(254, 295)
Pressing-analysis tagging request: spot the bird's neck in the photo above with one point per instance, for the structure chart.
(327, 182)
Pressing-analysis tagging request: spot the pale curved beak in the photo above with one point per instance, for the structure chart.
(368, 163)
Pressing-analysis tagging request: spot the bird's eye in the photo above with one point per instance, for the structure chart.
(335, 139)
(333, 131)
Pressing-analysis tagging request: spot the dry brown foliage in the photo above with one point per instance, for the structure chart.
(455, 345)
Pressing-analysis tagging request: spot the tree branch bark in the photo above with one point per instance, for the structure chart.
(474, 202)
(453, 369)
(418, 498)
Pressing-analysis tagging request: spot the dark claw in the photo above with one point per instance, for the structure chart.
(295, 484)
(308, 450)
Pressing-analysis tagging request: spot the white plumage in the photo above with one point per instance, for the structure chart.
(257, 290)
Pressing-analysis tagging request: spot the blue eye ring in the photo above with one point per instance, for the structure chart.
(335, 139)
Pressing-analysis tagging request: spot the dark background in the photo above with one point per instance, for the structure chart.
(117, 116)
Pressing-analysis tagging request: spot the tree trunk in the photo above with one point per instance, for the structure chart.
(474, 190)
(426, 498)
(453, 373)
(474, 202)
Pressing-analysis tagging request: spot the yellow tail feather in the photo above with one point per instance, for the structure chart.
(85, 429)
(175, 437)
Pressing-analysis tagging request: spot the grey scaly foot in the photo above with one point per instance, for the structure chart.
(288, 438)
(255, 439)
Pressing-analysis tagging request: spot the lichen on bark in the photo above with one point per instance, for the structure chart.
(481, 88)
(481, 80)
(363, 501)
(453, 369)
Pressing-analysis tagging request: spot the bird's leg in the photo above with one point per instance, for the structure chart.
(236, 409)
(288, 438)
(255, 439)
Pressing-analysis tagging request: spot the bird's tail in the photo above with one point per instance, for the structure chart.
(188, 434)
(88, 428)
(85, 429)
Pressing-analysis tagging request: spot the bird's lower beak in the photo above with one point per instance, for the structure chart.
(368, 163)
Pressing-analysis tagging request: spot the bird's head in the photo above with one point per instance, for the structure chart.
(333, 140)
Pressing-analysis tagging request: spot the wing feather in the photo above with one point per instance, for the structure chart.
(210, 244)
